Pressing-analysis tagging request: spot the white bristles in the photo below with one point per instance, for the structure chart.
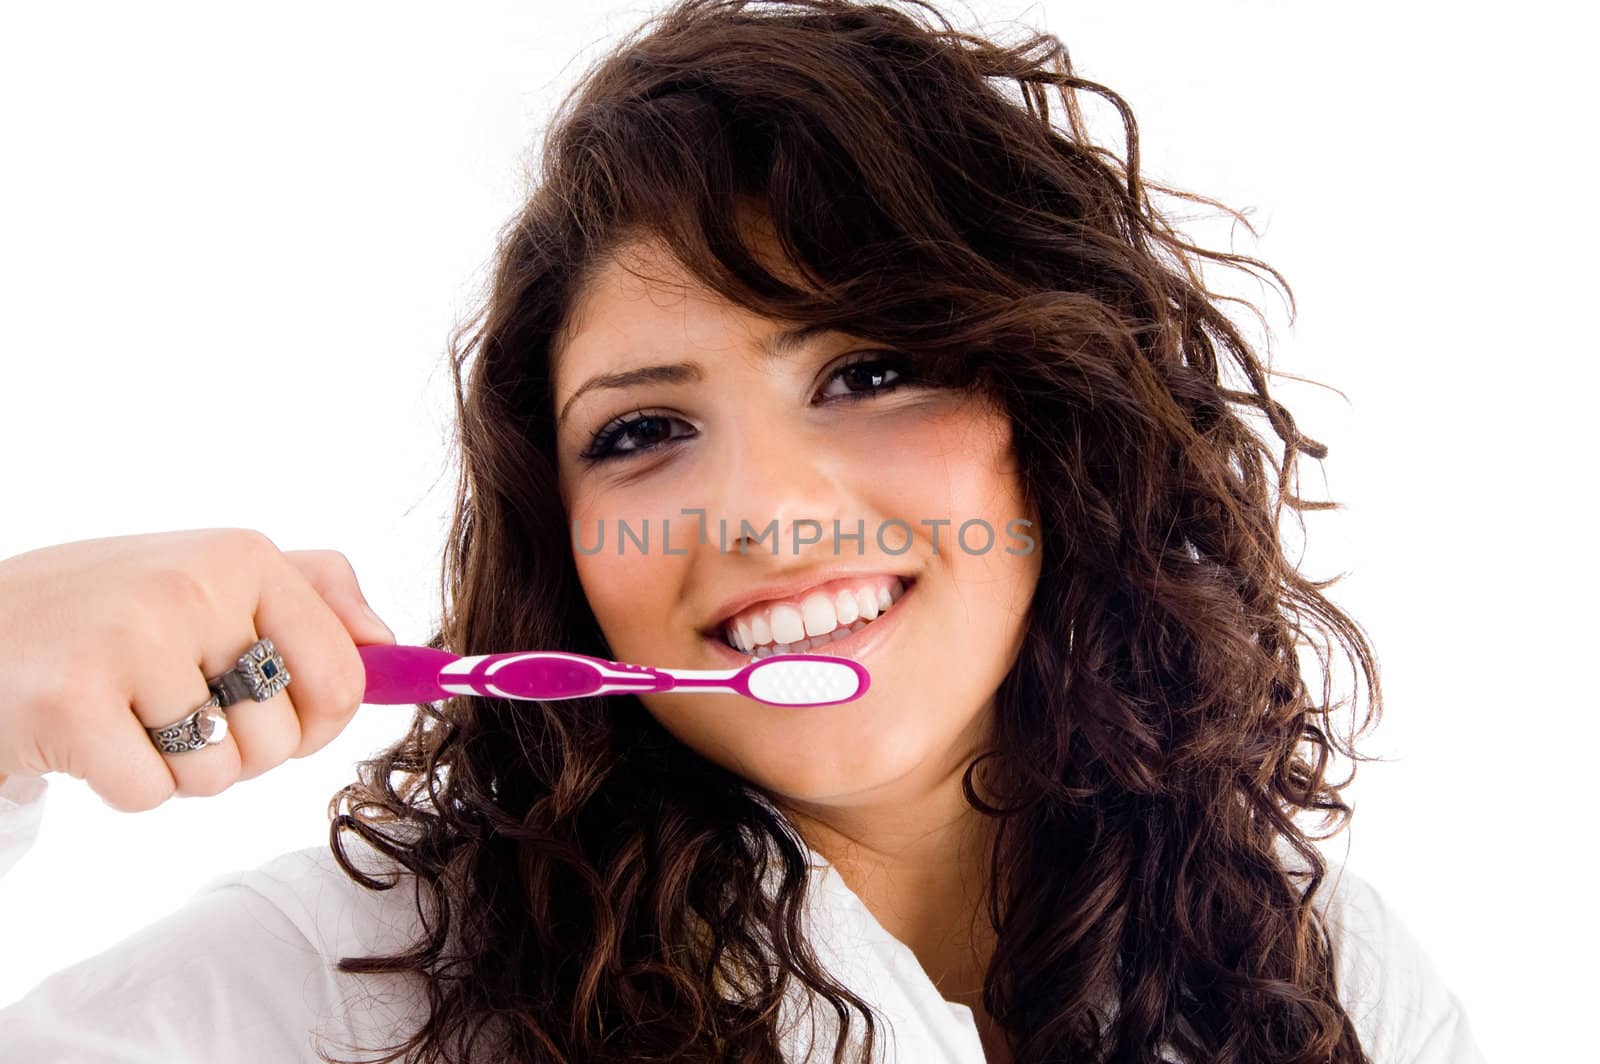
(803, 683)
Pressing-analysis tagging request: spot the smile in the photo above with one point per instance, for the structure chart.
(827, 620)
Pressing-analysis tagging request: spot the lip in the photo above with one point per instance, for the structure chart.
(855, 646)
(795, 588)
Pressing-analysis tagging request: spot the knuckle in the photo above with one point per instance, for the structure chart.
(334, 560)
(283, 744)
(268, 751)
(181, 590)
(145, 798)
(30, 755)
(126, 632)
(31, 760)
(326, 570)
(66, 719)
(350, 685)
(38, 691)
(256, 539)
(206, 786)
(137, 793)
(248, 543)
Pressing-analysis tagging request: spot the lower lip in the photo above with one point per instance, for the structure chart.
(854, 646)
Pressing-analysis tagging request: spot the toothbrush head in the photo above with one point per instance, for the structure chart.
(804, 680)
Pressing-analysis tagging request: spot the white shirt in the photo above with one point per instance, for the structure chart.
(244, 972)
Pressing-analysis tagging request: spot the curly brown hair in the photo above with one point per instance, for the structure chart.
(593, 884)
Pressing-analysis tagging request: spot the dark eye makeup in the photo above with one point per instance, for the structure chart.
(867, 376)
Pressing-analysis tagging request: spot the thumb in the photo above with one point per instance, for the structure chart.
(329, 572)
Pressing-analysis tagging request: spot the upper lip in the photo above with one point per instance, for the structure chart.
(793, 587)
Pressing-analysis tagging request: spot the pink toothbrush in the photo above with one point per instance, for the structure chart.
(399, 675)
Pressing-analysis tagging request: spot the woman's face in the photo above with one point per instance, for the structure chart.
(751, 438)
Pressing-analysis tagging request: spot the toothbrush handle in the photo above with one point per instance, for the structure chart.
(546, 675)
(405, 675)
(399, 675)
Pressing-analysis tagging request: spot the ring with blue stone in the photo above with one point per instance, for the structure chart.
(259, 675)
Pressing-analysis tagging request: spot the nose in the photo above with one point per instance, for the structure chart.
(781, 489)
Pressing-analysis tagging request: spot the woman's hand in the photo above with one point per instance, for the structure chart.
(102, 638)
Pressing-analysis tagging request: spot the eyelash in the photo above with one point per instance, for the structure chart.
(601, 447)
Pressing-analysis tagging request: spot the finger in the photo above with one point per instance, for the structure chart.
(331, 575)
(113, 753)
(327, 674)
(265, 733)
(164, 695)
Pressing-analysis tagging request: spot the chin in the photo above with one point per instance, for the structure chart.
(832, 772)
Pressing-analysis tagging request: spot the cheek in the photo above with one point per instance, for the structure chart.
(963, 473)
(632, 594)
(941, 464)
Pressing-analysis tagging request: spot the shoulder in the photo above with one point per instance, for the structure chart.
(337, 915)
(244, 969)
(1401, 1006)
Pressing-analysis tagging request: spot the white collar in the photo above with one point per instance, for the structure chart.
(858, 951)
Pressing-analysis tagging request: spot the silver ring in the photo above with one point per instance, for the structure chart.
(206, 726)
(259, 675)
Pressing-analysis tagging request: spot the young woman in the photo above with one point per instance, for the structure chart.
(842, 310)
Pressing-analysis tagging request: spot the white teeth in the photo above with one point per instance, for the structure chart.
(846, 607)
(787, 625)
(819, 620)
(801, 646)
(817, 612)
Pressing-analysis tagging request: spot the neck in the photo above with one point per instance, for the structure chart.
(919, 860)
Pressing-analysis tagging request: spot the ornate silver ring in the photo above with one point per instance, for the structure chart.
(259, 675)
(206, 726)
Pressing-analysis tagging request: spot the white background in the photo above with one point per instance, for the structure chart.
(234, 242)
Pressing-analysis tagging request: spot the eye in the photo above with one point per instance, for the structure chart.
(864, 377)
(869, 375)
(631, 434)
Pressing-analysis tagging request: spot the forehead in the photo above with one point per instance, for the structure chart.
(641, 304)
(640, 277)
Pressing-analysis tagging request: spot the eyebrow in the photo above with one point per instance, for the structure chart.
(779, 345)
